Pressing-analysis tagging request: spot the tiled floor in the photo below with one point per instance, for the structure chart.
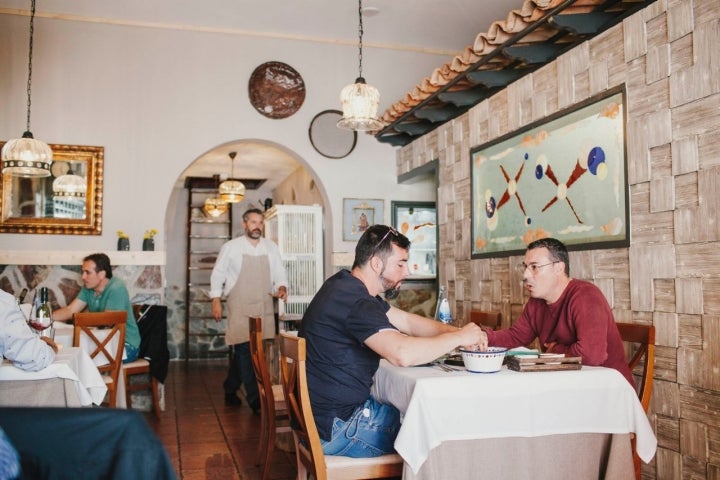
(206, 439)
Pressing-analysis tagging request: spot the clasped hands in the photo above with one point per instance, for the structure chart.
(474, 337)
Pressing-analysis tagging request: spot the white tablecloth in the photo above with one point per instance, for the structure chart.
(64, 337)
(439, 406)
(70, 364)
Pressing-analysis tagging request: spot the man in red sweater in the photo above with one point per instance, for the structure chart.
(567, 316)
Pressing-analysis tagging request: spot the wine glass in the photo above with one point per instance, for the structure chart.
(41, 321)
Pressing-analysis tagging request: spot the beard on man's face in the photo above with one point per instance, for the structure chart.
(254, 234)
(392, 289)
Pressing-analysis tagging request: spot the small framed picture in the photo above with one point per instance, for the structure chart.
(359, 214)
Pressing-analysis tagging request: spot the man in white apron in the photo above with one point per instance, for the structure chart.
(249, 272)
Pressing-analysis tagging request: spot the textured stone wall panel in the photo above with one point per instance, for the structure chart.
(649, 228)
(684, 155)
(666, 329)
(666, 402)
(670, 428)
(708, 149)
(664, 289)
(666, 363)
(689, 292)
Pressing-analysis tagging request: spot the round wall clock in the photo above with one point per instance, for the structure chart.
(276, 90)
(327, 138)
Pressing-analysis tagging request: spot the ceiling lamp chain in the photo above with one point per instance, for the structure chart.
(231, 191)
(26, 156)
(359, 100)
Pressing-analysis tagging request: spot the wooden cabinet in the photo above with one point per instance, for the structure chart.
(298, 232)
(204, 337)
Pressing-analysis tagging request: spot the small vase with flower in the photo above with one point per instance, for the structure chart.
(123, 241)
(149, 240)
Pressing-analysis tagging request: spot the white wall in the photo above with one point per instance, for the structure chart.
(157, 98)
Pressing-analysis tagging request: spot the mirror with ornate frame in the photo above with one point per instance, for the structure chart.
(27, 205)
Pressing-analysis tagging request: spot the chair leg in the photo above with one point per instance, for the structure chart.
(269, 449)
(155, 396)
(262, 445)
(128, 392)
(112, 396)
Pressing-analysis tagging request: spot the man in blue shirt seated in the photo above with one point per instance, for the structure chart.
(348, 328)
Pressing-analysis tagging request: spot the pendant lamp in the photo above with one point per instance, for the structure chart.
(359, 100)
(232, 191)
(215, 206)
(26, 156)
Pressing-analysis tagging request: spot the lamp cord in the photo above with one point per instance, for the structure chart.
(30, 50)
(360, 37)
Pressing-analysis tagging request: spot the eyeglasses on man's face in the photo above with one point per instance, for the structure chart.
(534, 267)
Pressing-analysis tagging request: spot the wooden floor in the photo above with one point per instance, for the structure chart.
(206, 439)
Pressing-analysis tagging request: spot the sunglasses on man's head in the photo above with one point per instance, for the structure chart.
(390, 230)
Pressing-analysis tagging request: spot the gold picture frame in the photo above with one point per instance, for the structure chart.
(27, 204)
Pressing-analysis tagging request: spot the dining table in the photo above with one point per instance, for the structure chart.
(63, 336)
(72, 380)
(566, 424)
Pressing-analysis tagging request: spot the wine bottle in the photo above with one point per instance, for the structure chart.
(21, 297)
(42, 319)
(442, 311)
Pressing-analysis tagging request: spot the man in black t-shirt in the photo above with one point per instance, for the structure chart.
(349, 328)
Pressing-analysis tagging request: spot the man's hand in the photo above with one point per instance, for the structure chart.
(282, 293)
(217, 309)
(50, 342)
(474, 337)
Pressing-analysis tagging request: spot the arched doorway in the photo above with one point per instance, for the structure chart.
(288, 180)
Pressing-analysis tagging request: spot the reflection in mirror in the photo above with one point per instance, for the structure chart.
(67, 202)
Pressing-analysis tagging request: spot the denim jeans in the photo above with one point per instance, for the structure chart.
(241, 372)
(131, 353)
(369, 432)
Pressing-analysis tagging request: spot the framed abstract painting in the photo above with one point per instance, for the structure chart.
(562, 177)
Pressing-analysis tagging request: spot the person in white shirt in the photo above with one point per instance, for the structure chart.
(249, 272)
(18, 343)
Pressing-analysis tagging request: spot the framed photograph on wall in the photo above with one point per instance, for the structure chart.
(562, 177)
(418, 222)
(359, 214)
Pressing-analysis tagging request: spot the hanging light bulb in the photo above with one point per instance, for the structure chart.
(232, 191)
(26, 156)
(215, 206)
(359, 100)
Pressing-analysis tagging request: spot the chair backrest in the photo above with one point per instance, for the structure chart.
(103, 329)
(491, 320)
(294, 382)
(643, 339)
(257, 354)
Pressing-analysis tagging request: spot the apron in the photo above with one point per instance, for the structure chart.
(250, 297)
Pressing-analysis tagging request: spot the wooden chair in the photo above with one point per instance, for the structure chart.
(141, 367)
(310, 458)
(273, 410)
(642, 338)
(112, 325)
(491, 320)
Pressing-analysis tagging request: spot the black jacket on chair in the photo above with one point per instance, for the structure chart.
(153, 339)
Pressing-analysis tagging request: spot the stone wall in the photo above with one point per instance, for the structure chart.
(668, 58)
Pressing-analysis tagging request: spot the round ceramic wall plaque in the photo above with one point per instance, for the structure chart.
(276, 90)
